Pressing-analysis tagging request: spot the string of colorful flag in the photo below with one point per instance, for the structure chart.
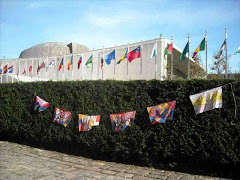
(202, 102)
(130, 56)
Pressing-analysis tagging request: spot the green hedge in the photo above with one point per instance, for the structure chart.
(206, 139)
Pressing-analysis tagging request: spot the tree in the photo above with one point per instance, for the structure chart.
(219, 64)
(197, 71)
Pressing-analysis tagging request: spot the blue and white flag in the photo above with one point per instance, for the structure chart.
(10, 69)
(154, 51)
(110, 57)
(221, 49)
(51, 64)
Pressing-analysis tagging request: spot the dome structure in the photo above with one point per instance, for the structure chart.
(50, 49)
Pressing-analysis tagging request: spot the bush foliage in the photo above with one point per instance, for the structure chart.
(207, 138)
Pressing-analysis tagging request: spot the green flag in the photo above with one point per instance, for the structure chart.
(185, 51)
(238, 51)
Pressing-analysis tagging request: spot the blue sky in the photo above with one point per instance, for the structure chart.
(97, 23)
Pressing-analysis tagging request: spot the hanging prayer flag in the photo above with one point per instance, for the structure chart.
(168, 50)
(62, 117)
(70, 63)
(237, 52)
(10, 69)
(154, 51)
(201, 47)
(124, 56)
(110, 57)
(86, 122)
(30, 68)
(40, 104)
(121, 121)
(61, 64)
(89, 61)
(162, 112)
(221, 49)
(207, 100)
(5, 69)
(79, 62)
(134, 54)
(185, 51)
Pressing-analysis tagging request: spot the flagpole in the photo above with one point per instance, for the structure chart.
(81, 66)
(72, 66)
(141, 61)
(226, 54)
(206, 53)
(102, 62)
(172, 60)
(92, 64)
(115, 62)
(46, 66)
(127, 62)
(156, 59)
(160, 74)
(54, 68)
(189, 56)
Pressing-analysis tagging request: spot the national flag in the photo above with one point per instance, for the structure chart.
(124, 56)
(70, 63)
(168, 50)
(86, 122)
(221, 49)
(185, 51)
(101, 62)
(121, 121)
(0, 70)
(110, 57)
(237, 52)
(201, 47)
(62, 117)
(5, 69)
(134, 54)
(10, 69)
(89, 61)
(207, 100)
(154, 51)
(162, 112)
(40, 67)
(24, 72)
(61, 64)
(30, 68)
(52, 63)
(79, 62)
(40, 104)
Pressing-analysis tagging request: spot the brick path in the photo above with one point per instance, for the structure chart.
(24, 162)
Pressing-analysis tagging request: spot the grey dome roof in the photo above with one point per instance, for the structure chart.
(52, 49)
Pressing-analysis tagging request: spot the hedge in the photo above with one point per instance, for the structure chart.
(203, 140)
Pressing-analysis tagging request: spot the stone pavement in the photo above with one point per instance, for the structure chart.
(24, 162)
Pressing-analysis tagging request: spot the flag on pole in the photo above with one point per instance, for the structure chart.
(40, 67)
(185, 51)
(154, 51)
(10, 69)
(86, 122)
(237, 52)
(168, 50)
(124, 56)
(70, 63)
(201, 47)
(61, 64)
(121, 121)
(5, 69)
(30, 68)
(79, 62)
(207, 100)
(24, 72)
(0, 70)
(110, 57)
(62, 117)
(89, 61)
(51, 64)
(40, 104)
(221, 49)
(134, 54)
(162, 112)
(101, 62)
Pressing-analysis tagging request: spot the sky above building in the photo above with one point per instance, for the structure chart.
(98, 23)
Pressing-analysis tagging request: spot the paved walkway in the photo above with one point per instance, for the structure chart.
(24, 162)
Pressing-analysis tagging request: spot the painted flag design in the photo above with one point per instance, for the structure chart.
(124, 56)
(40, 104)
(134, 54)
(207, 100)
(201, 47)
(62, 117)
(162, 112)
(86, 122)
(121, 121)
